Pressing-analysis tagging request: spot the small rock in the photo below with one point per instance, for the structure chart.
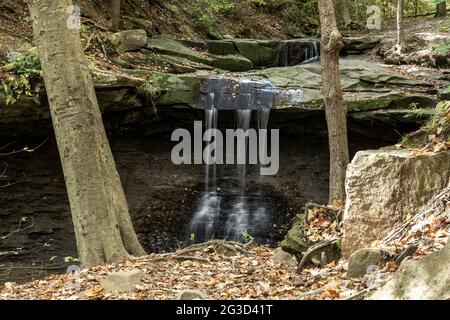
(123, 281)
(129, 40)
(361, 260)
(191, 295)
(283, 257)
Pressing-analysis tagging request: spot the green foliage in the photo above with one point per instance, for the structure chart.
(259, 3)
(246, 236)
(221, 6)
(436, 2)
(22, 70)
(443, 48)
(205, 21)
(70, 259)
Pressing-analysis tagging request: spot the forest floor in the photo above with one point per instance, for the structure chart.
(228, 270)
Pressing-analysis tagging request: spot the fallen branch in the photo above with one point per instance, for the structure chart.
(362, 292)
(311, 293)
(428, 210)
(313, 249)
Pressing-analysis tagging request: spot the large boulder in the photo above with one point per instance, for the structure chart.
(425, 279)
(128, 40)
(384, 187)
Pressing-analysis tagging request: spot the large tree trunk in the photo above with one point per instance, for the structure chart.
(400, 28)
(441, 9)
(115, 16)
(346, 13)
(330, 45)
(103, 227)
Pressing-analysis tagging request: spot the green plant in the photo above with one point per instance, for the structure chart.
(246, 236)
(205, 21)
(22, 69)
(221, 6)
(70, 259)
(259, 3)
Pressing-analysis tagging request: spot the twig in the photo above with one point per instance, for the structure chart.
(18, 228)
(180, 258)
(362, 292)
(95, 24)
(88, 43)
(9, 184)
(24, 149)
(311, 293)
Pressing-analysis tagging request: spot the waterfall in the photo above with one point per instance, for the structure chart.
(243, 97)
(312, 52)
(206, 217)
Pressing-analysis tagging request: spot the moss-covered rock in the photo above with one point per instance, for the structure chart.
(232, 62)
(173, 47)
(296, 242)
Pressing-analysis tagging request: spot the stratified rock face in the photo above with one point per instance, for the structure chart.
(425, 279)
(384, 187)
(129, 40)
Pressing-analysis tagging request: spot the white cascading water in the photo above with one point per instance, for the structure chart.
(213, 208)
(207, 215)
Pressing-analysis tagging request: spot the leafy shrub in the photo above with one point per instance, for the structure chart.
(22, 70)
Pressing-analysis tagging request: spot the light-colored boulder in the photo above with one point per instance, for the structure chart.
(123, 281)
(385, 187)
(128, 40)
(283, 257)
(425, 279)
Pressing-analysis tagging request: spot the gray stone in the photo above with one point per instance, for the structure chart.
(362, 44)
(129, 40)
(361, 260)
(283, 257)
(123, 281)
(191, 295)
(232, 63)
(174, 47)
(425, 279)
(385, 186)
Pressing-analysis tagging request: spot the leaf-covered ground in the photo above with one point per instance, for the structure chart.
(226, 270)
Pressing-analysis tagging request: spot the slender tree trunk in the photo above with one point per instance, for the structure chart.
(115, 16)
(416, 8)
(330, 46)
(346, 13)
(103, 228)
(400, 28)
(441, 9)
